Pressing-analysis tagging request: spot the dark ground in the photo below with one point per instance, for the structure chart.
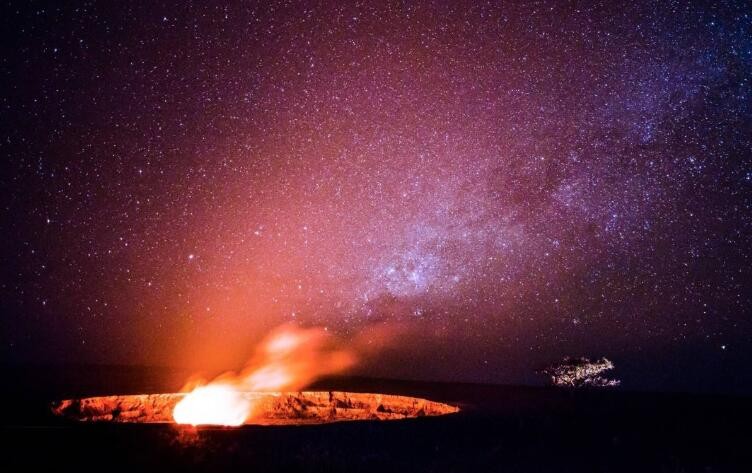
(500, 428)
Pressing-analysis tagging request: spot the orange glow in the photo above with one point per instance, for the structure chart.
(288, 359)
(213, 404)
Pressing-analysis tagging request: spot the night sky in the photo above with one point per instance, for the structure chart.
(476, 189)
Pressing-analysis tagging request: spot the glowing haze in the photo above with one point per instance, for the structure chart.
(289, 358)
(515, 181)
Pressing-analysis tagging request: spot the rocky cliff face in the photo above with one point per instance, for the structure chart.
(270, 408)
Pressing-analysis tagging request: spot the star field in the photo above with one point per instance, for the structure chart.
(508, 184)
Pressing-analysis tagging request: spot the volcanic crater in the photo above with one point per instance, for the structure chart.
(269, 408)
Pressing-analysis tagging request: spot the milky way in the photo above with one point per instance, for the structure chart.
(508, 184)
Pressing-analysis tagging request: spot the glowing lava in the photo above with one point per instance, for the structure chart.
(213, 404)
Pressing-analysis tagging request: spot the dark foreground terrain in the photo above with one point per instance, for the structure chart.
(500, 428)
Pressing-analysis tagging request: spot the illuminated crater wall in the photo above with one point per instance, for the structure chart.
(270, 408)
